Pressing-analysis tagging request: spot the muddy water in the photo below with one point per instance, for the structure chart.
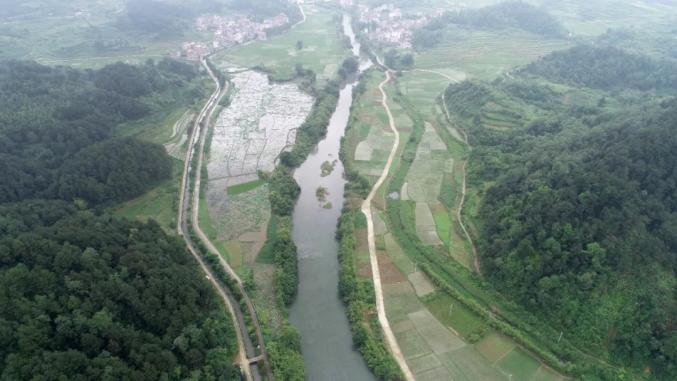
(318, 313)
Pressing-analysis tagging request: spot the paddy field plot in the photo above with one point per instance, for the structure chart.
(248, 136)
(596, 17)
(259, 124)
(370, 138)
(485, 54)
(422, 87)
(431, 349)
(323, 49)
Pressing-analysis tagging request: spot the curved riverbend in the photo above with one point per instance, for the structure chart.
(318, 312)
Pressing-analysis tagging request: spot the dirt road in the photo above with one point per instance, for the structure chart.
(366, 209)
(246, 350)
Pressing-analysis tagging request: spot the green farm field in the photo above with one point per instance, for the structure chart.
(485, 54)
(437, 345)
(159, 204)
(323, 48)
(77, 33)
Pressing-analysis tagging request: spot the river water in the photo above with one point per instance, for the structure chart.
(318, 312)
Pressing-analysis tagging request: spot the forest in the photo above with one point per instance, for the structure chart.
(511, 14)
(86, 297)
(57, 130)
(606, 68)
(579, 215)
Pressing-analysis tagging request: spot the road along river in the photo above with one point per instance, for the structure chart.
(318, 312)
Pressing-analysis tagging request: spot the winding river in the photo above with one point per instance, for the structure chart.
(318, 312)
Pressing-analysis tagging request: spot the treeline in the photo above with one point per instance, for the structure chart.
(510, 14)
(398, 60)
(285, 354)
(358, 296)
(86, 297)
(605, 68)
(358, 293)
(57, 128)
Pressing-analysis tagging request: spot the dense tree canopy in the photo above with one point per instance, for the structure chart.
(579, 219)
(55, 124)
(85, 297)
(605, 68)
(515, 14)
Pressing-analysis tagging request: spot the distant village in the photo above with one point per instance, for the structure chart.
(388, 26)
(229, 31)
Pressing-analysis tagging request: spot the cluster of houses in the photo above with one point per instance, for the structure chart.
(229, 31)
(388, 26)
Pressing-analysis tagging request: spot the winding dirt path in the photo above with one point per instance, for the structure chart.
(376, 274)
(246, 351)
(195, 220)
(303, 14)
(182, 227)
(459, 209)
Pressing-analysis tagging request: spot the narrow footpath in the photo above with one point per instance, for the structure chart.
(195, 220)
(366, 209)
(459, 209)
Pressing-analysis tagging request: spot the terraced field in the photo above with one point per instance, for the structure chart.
(485, 54)
(370, 138)
(594, 18)
(322, 51)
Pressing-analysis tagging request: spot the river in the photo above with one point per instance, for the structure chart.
(318, 312)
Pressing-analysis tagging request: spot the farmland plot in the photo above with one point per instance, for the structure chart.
(249, 135)
(259, 124)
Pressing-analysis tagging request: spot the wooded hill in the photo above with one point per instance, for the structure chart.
(606, 68)
(84, 296)
(511, 14)
(578, 222)
(57, 137)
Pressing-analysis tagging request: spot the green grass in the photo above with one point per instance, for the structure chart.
(495, 347)
(595, 17)
(443, 225)
(267, 255)
(518, 363)
(245, 187)
(167, 109)
(159, 204)
(461, 319)
(205, 221)
(65, 32)
(323, 49)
